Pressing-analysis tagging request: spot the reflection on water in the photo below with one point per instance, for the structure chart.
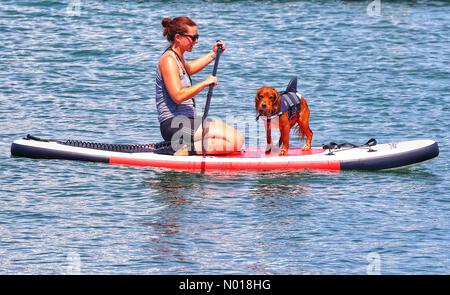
(172, 185)
(288, 185)
(206, 211)
(176, 188)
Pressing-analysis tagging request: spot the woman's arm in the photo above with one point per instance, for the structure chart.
(197, 65)
(169, 71)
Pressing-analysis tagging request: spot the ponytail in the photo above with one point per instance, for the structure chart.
(171, 27)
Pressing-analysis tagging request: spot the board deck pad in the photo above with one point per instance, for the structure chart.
(260, 152)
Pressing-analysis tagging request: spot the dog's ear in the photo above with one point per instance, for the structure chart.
(257, 96)
(277, 101)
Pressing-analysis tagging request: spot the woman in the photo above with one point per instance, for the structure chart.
(175, 95)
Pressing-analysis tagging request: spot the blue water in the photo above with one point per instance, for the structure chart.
(89, 74)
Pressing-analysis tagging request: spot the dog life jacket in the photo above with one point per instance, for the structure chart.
(290, 102)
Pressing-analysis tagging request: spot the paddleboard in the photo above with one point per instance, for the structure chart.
(378, 157)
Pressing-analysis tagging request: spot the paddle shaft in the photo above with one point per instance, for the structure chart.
(209, 96)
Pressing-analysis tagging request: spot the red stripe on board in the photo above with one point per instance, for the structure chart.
(212, 165)
(259, 152)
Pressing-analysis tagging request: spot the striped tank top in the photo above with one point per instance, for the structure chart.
(166, 107)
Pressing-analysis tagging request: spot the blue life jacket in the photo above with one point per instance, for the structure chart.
(290, 102)
(290, 99)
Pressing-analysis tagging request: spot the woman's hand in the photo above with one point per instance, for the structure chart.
(211, 80)
(216, 45)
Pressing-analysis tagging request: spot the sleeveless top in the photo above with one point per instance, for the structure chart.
(166, 107)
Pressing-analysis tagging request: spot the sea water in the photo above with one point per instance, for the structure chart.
(85, 69)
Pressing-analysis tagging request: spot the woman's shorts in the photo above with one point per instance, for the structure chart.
(180, 131)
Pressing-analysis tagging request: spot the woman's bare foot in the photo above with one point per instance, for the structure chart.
(183, 151)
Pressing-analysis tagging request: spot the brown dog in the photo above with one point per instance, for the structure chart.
(291, 108)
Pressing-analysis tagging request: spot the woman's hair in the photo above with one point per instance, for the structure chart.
(176, 26)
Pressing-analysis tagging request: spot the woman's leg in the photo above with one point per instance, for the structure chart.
(220, 138)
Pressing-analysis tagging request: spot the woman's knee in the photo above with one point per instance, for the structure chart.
(220, 130)
(219, 127)
(213, 146)
(234, 136)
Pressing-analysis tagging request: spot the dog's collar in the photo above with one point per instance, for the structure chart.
(268, 117)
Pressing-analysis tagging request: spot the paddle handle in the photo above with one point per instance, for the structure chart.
(211, 87)
(208, 98)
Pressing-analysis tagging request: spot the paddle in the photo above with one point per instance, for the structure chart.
(208, 97)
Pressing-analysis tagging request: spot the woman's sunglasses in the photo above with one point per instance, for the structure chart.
(193, 37)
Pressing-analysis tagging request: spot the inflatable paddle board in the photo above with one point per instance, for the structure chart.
(371, 156)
